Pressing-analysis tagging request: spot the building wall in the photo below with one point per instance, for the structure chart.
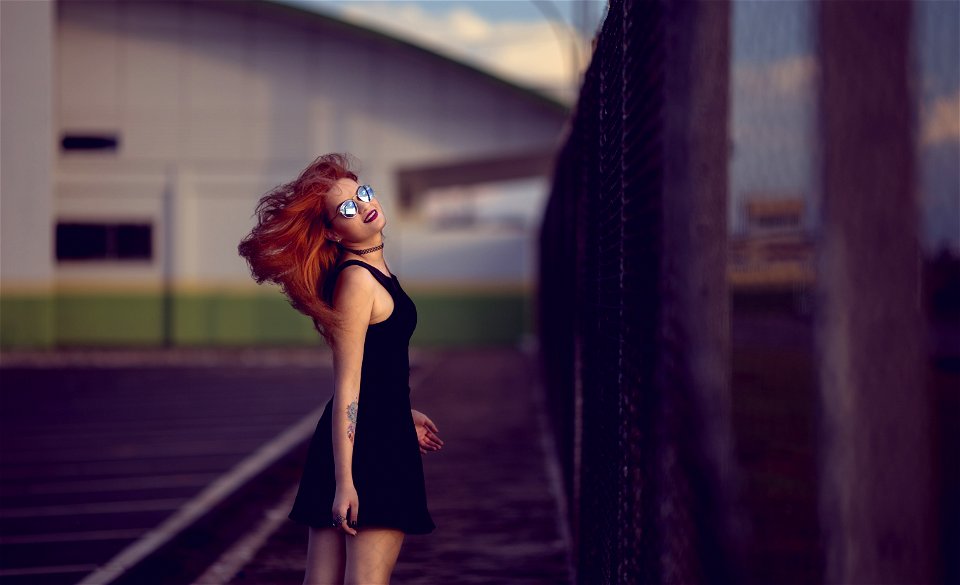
(215, 103)
(27, 161)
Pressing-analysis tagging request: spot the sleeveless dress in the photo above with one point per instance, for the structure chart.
(387, 467)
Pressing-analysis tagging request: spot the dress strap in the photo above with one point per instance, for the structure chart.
(382, 278)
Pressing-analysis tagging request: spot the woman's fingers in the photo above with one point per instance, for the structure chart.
(427, 437)
(348, 519)
(431, 442)
(434, 440)
(352, 519)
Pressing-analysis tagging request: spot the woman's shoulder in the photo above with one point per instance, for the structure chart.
(355, 267)
(349, 274)
(355, 273)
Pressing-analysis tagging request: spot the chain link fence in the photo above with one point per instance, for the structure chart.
(671, 236)
(639, 482)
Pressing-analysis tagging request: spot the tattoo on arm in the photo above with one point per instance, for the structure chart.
(352, 416)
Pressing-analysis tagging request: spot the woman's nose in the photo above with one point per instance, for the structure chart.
(364, 208)
(365, 205)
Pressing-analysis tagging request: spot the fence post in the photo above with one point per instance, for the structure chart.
(694, 380)
(876, 485)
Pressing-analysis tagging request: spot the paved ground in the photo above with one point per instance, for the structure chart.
(102, 448)
(490, 490)
(774, 408)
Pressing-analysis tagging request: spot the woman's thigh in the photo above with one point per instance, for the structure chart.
(326, 557)
(372, 554)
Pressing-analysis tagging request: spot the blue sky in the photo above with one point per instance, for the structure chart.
(492, 10)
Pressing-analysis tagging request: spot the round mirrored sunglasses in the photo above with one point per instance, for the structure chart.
(349, 208)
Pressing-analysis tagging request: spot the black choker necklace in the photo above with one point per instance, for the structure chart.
(364, 251)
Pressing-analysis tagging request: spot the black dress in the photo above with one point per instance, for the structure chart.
(387, 468)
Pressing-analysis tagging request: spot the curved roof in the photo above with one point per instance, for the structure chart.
(327, 18)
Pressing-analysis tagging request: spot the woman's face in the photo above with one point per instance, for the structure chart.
(362, 227)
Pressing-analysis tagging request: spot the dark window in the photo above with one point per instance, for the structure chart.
(104, 241)
(89, 142)
(133, 241)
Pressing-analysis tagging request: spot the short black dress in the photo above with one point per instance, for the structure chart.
(387, 466)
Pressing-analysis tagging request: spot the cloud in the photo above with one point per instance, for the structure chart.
(773, 102)
(789, 77)
(527, 52)
(772, 125)
(468, 26)
(941, 120)
(787, 84)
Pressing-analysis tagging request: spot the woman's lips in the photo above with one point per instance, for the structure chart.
(370, 216)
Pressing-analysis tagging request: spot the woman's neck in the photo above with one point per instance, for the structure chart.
(373, 257)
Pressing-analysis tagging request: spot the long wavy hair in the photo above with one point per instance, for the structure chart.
(289, 245)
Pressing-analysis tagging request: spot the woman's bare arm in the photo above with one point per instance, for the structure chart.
(353, 297)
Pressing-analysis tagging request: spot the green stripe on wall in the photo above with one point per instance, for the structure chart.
(221, 319)
(470, 319)
(105, 319)
(27, 321)
(216, 319)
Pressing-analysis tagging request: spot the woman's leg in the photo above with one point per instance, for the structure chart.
(326, 560)
(371, 555)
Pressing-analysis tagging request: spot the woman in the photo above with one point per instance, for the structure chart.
(362, 489)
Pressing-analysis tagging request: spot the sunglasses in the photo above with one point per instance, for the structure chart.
(349, 208)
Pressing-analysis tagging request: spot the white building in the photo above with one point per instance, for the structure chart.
(137, 137)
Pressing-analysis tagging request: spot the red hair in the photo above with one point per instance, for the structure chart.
(289, 244)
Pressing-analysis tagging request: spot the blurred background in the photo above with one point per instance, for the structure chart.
(169, 119)
(117, 229)
(708, 253)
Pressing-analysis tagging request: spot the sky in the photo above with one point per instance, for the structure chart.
(543, 44)
(773, 111)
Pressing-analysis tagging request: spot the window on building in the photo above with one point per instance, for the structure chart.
(78, 142)
(104, 241)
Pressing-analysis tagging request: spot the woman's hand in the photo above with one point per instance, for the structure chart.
(426, 432)
(346, 497)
